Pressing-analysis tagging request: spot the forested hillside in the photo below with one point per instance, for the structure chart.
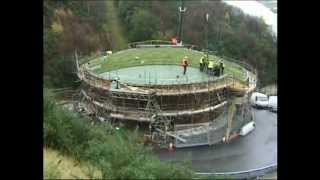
(92, 26)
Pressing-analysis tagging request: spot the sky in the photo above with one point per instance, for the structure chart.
(257, 9)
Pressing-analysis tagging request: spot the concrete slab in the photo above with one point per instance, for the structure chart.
(158, 75)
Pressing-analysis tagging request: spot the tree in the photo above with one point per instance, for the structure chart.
(144, 26)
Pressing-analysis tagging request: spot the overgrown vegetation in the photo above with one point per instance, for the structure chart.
(116, 154)
(91, 26)
(58, 166)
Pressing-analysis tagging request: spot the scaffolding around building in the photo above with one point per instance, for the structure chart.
(185, 115)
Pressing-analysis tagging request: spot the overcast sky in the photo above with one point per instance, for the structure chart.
(256, 9)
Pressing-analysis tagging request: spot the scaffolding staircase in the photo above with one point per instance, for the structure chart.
(159, 125)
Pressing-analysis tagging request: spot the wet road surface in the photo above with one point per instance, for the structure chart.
(255, 150)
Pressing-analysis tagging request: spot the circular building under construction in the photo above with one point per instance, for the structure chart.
(144, 85)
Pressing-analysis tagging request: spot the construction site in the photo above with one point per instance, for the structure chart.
(188, 101)
(143, 87)
(170, 108)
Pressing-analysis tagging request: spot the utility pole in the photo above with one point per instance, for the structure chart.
(182, 10)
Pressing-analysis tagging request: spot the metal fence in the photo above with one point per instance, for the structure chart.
(157, 42)
(248, 69)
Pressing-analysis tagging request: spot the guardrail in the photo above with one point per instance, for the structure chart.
(154, 42)
(86, 58)
(97, 80)
(157, 42)
(234, 62)
(220, 82)
(157, 81)
(252, 173)
(237, 62)
(94, 80)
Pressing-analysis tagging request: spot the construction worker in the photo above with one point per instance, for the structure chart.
(210, 67)
(184, 64)
(215, 69)
(201, 63)
(221, 67)
(205, 64)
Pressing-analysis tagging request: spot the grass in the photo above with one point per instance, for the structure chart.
(149, 56)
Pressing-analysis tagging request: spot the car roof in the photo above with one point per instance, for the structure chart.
(259, 94)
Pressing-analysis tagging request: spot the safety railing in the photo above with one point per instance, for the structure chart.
(174, 84)
(158, 82)
(151, 80)
(94, 80)
(236, 63)
(151, 42)
(157, 42)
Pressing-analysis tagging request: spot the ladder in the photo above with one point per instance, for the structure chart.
(159, 125)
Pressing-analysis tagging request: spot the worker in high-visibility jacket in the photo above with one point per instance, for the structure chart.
(184, 64)
(201, 63)
(210, 67)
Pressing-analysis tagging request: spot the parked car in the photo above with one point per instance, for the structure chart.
(259, 100)
(273, 103)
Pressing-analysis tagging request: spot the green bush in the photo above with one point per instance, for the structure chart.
(117, 154)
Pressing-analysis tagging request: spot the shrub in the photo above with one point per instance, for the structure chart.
(117, 154)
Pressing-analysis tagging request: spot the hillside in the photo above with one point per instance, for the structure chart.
(91, 26)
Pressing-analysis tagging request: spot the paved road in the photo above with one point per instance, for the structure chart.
(257, 149)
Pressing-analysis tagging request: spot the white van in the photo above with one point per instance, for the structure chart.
(273, 103)
(259, 100)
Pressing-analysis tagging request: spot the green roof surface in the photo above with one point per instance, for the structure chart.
(156, 56)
